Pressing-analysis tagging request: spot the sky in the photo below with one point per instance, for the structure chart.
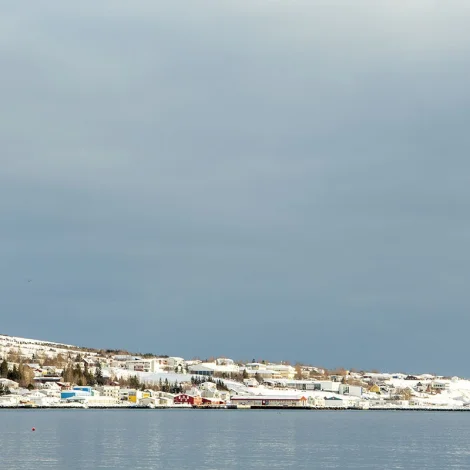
(278, 180)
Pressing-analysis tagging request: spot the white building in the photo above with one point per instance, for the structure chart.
(270, 400)
(210, 368)
(270, 371)
(351, 390)
(251, 382)
(330, 386)
(282, 371)
(176, 363)
(9, 400)
(317, 402)
(208, 386)
(96, 400)
(124, 357)
(256, 368)
(41, 399)
(144, 365)
(336, 402)
(109, 391)
(437, 385)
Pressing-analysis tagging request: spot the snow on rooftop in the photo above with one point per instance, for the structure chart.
(19, 340)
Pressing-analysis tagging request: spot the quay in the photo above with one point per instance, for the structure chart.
(238, 408)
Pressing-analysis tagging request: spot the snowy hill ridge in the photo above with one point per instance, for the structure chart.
(29, 348)
(18, 340)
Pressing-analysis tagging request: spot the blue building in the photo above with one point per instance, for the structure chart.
(76, 393)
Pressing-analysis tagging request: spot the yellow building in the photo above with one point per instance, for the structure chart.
(136, 395)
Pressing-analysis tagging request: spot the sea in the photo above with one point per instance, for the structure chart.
(231, 439)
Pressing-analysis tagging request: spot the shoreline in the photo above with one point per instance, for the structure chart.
(230, 408)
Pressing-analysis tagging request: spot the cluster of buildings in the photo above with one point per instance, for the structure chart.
(142, 364)
(201, 388)
(221, 382)
(227, 367)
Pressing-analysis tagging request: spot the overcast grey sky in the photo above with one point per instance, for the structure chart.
(284, 180)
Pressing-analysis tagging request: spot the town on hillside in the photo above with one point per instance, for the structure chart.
(44, 374)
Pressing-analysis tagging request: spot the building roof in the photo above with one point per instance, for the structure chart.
(268, 397)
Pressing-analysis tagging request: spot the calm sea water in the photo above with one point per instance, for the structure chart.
(196, 439)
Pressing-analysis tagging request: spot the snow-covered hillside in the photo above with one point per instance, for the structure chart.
(28, 349)
(349, 389)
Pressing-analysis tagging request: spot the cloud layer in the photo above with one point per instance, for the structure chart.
(286, 180)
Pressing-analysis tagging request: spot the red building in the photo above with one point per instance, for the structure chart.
(185, 399)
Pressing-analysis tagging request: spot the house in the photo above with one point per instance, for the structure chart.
(398, 376)
(144, 365)
(426, 377)
(336, 378)
(206, 369)
(109, 391)
(163, 362)
(351, 390)
(415, 402)
(297, 384)
(272, 383)
(224, 361)
(377, 402)
(47, 378)
(304, 385)
(89, 361)
(317, 401)
(305, 372)
(121, 358)
(258, 369)
(185, 399)
(398, 402)
(208, 386)
(9, 400)
(54, 386)
(336, 402)
(437, 385)
(176, 364)
(420, 387)
(384, 388)
(40, 399)
(150, 402)
(193, 362)
(220, 366)
(282, 371)
(329, 386)
(252, 382)
(207, 390)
